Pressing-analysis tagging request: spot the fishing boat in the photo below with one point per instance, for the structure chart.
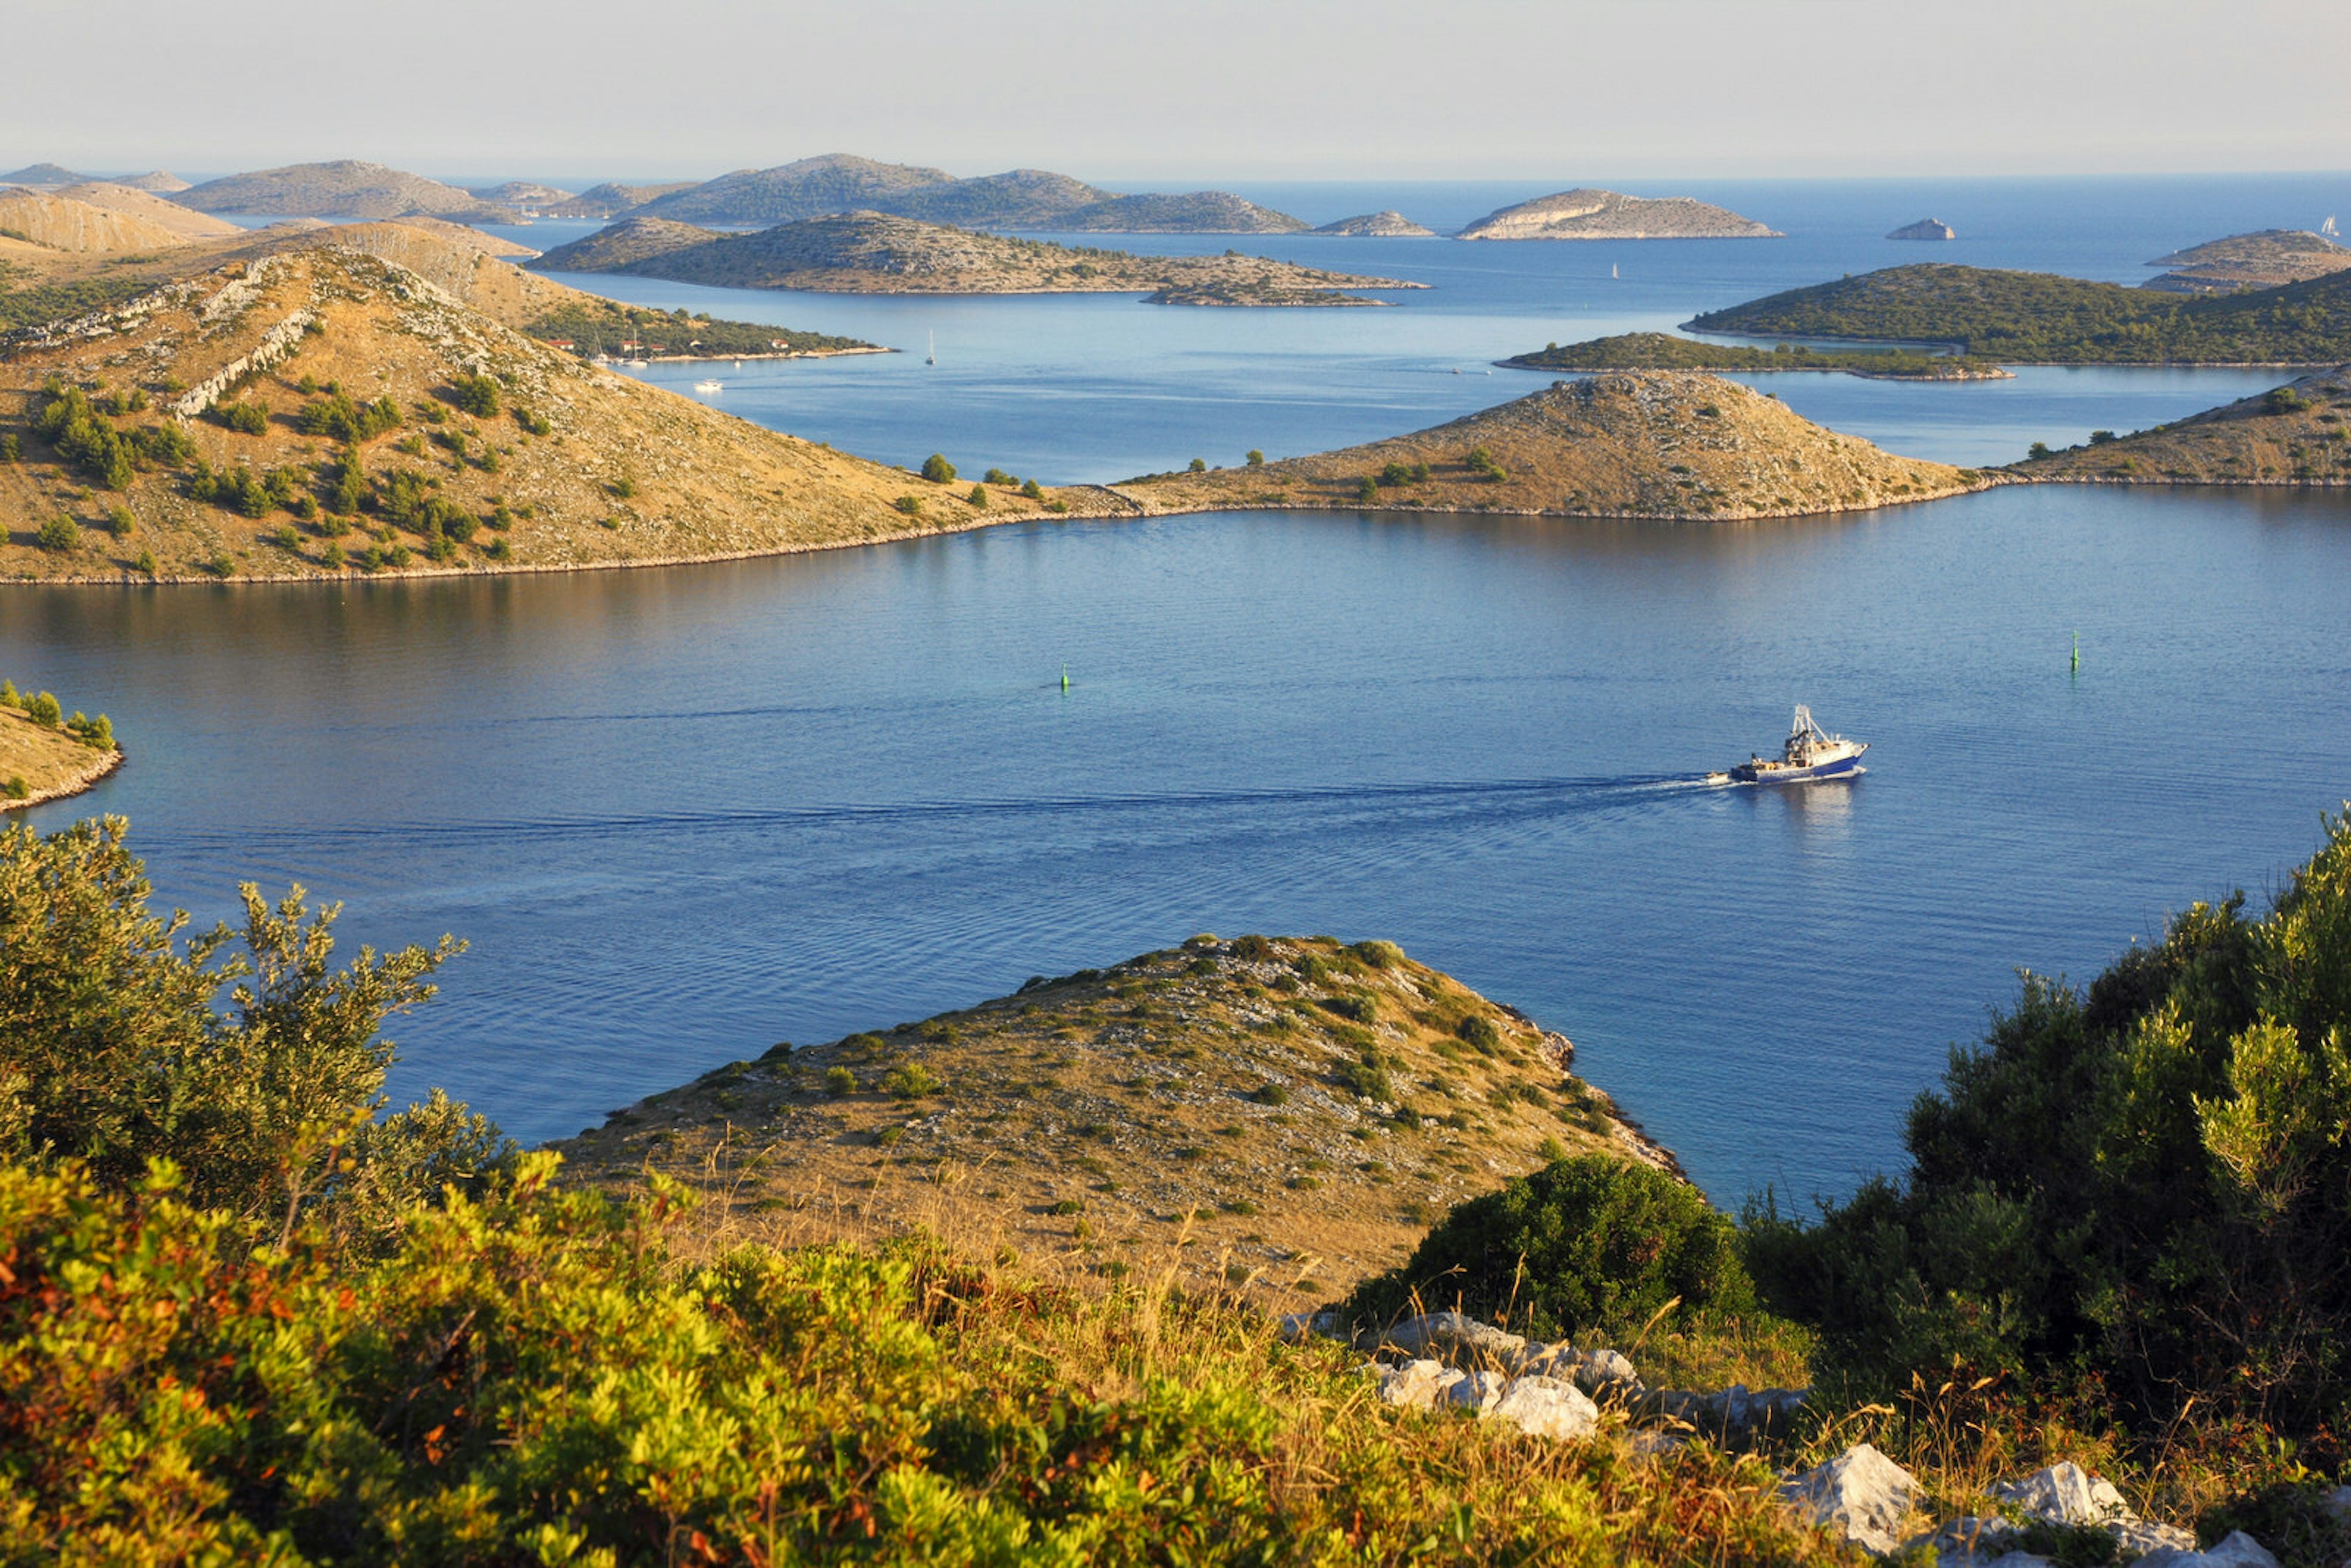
(1808, 753)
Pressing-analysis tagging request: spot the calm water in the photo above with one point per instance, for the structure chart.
(683, 815)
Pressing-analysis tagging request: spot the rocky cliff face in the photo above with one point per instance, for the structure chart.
(1609, 215)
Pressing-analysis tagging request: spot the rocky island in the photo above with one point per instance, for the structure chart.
(1925, 228)
(345, 188)
(1663, 352)
(1609, 215)
(1389, 224)
(874, 253)
(2268, 259)
(1658, 444)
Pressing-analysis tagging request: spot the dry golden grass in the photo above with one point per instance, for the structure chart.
(627, 475)
(2302, 437)
(1638, 443)
(49, 761)
(1203, 1109)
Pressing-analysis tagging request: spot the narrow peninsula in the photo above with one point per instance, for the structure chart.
(874, 253)
(2299, 433)
(1663, 352)
(1293, 1106)
(47, 754)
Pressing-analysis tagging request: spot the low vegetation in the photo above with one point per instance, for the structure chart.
(242, 1319)
(1662, 444)
(869, 252)
(2039, 318)
(2299, 433)
(589, 326)
(46, 752)
(1663, 352)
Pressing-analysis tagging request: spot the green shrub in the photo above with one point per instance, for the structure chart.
(1355, 1007)
(1030, 488)
(840, 1081)
(2148, 1180)
(1378, 955)
(1367, 488)
(1479, 1032)
(15, 788)
(910, 1081)
(1197, 465)
(1589, 1244)
(244, 418)
(43, 709)
(979, 497)
(146, 563)
(1252, 948)
(622, 488)
(477, 395)
(338, 416)
(1270, 1095)
(1255, 459)
(910, 504)
(938, 469)
(12, 448)
(998, 476)
(60, 535)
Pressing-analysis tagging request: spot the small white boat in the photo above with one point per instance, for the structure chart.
(637, 364)
(709, 386)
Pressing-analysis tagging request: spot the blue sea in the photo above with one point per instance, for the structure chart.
(682, 814)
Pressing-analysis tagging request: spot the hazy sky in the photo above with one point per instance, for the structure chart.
(1564, 89)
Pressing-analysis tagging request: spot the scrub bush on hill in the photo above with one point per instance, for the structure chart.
(1586, 1245)
(2146, 1182)
(113, 1053)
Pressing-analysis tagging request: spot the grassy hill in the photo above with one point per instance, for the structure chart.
(347, 188)
(2268, 259)
(1293, 1112)
(874, 253)
(1661, 445)
(315, 409)
(1663, 352)
(2038, 318)
(59, 223)
(45, 756)
(1019, 198)
(149, 206)
(2299, 433)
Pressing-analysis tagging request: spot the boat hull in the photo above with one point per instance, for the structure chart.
(1782, 773)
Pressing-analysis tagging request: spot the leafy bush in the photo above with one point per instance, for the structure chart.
(910, 504)
(840, 1081)
(938, 469)
(1587, 1245)
(1355, 1007)
(112, 1053)
(59, 535)
(244, 418)
(979, 497)
(1377, 954)
(477, 395)
(336, 416)
(1030, 488)
(910, 1081)
(1480, 1032)
(1255, 459)
(1367, 488)
(1252, 948)
(119, 522)
(43, 710)
(2149, 1179)
(1197, 465)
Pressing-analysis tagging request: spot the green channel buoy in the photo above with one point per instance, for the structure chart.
(2077, 652)
(1065, 675)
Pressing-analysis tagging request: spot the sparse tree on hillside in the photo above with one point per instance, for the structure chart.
(938, 469)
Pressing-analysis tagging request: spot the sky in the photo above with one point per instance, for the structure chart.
(1120, 91)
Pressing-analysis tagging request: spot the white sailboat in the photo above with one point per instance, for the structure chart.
(1612, 269)
(2327, 228)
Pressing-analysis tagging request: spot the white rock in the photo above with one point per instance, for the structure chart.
(1605, 1371)
(2239, 1551)
(2138, 1537)
(1861, 1494)
(1479, 1391)
(1453, 1331)
(1414, 1384)
(2066, 1493)
(1547, 1407)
